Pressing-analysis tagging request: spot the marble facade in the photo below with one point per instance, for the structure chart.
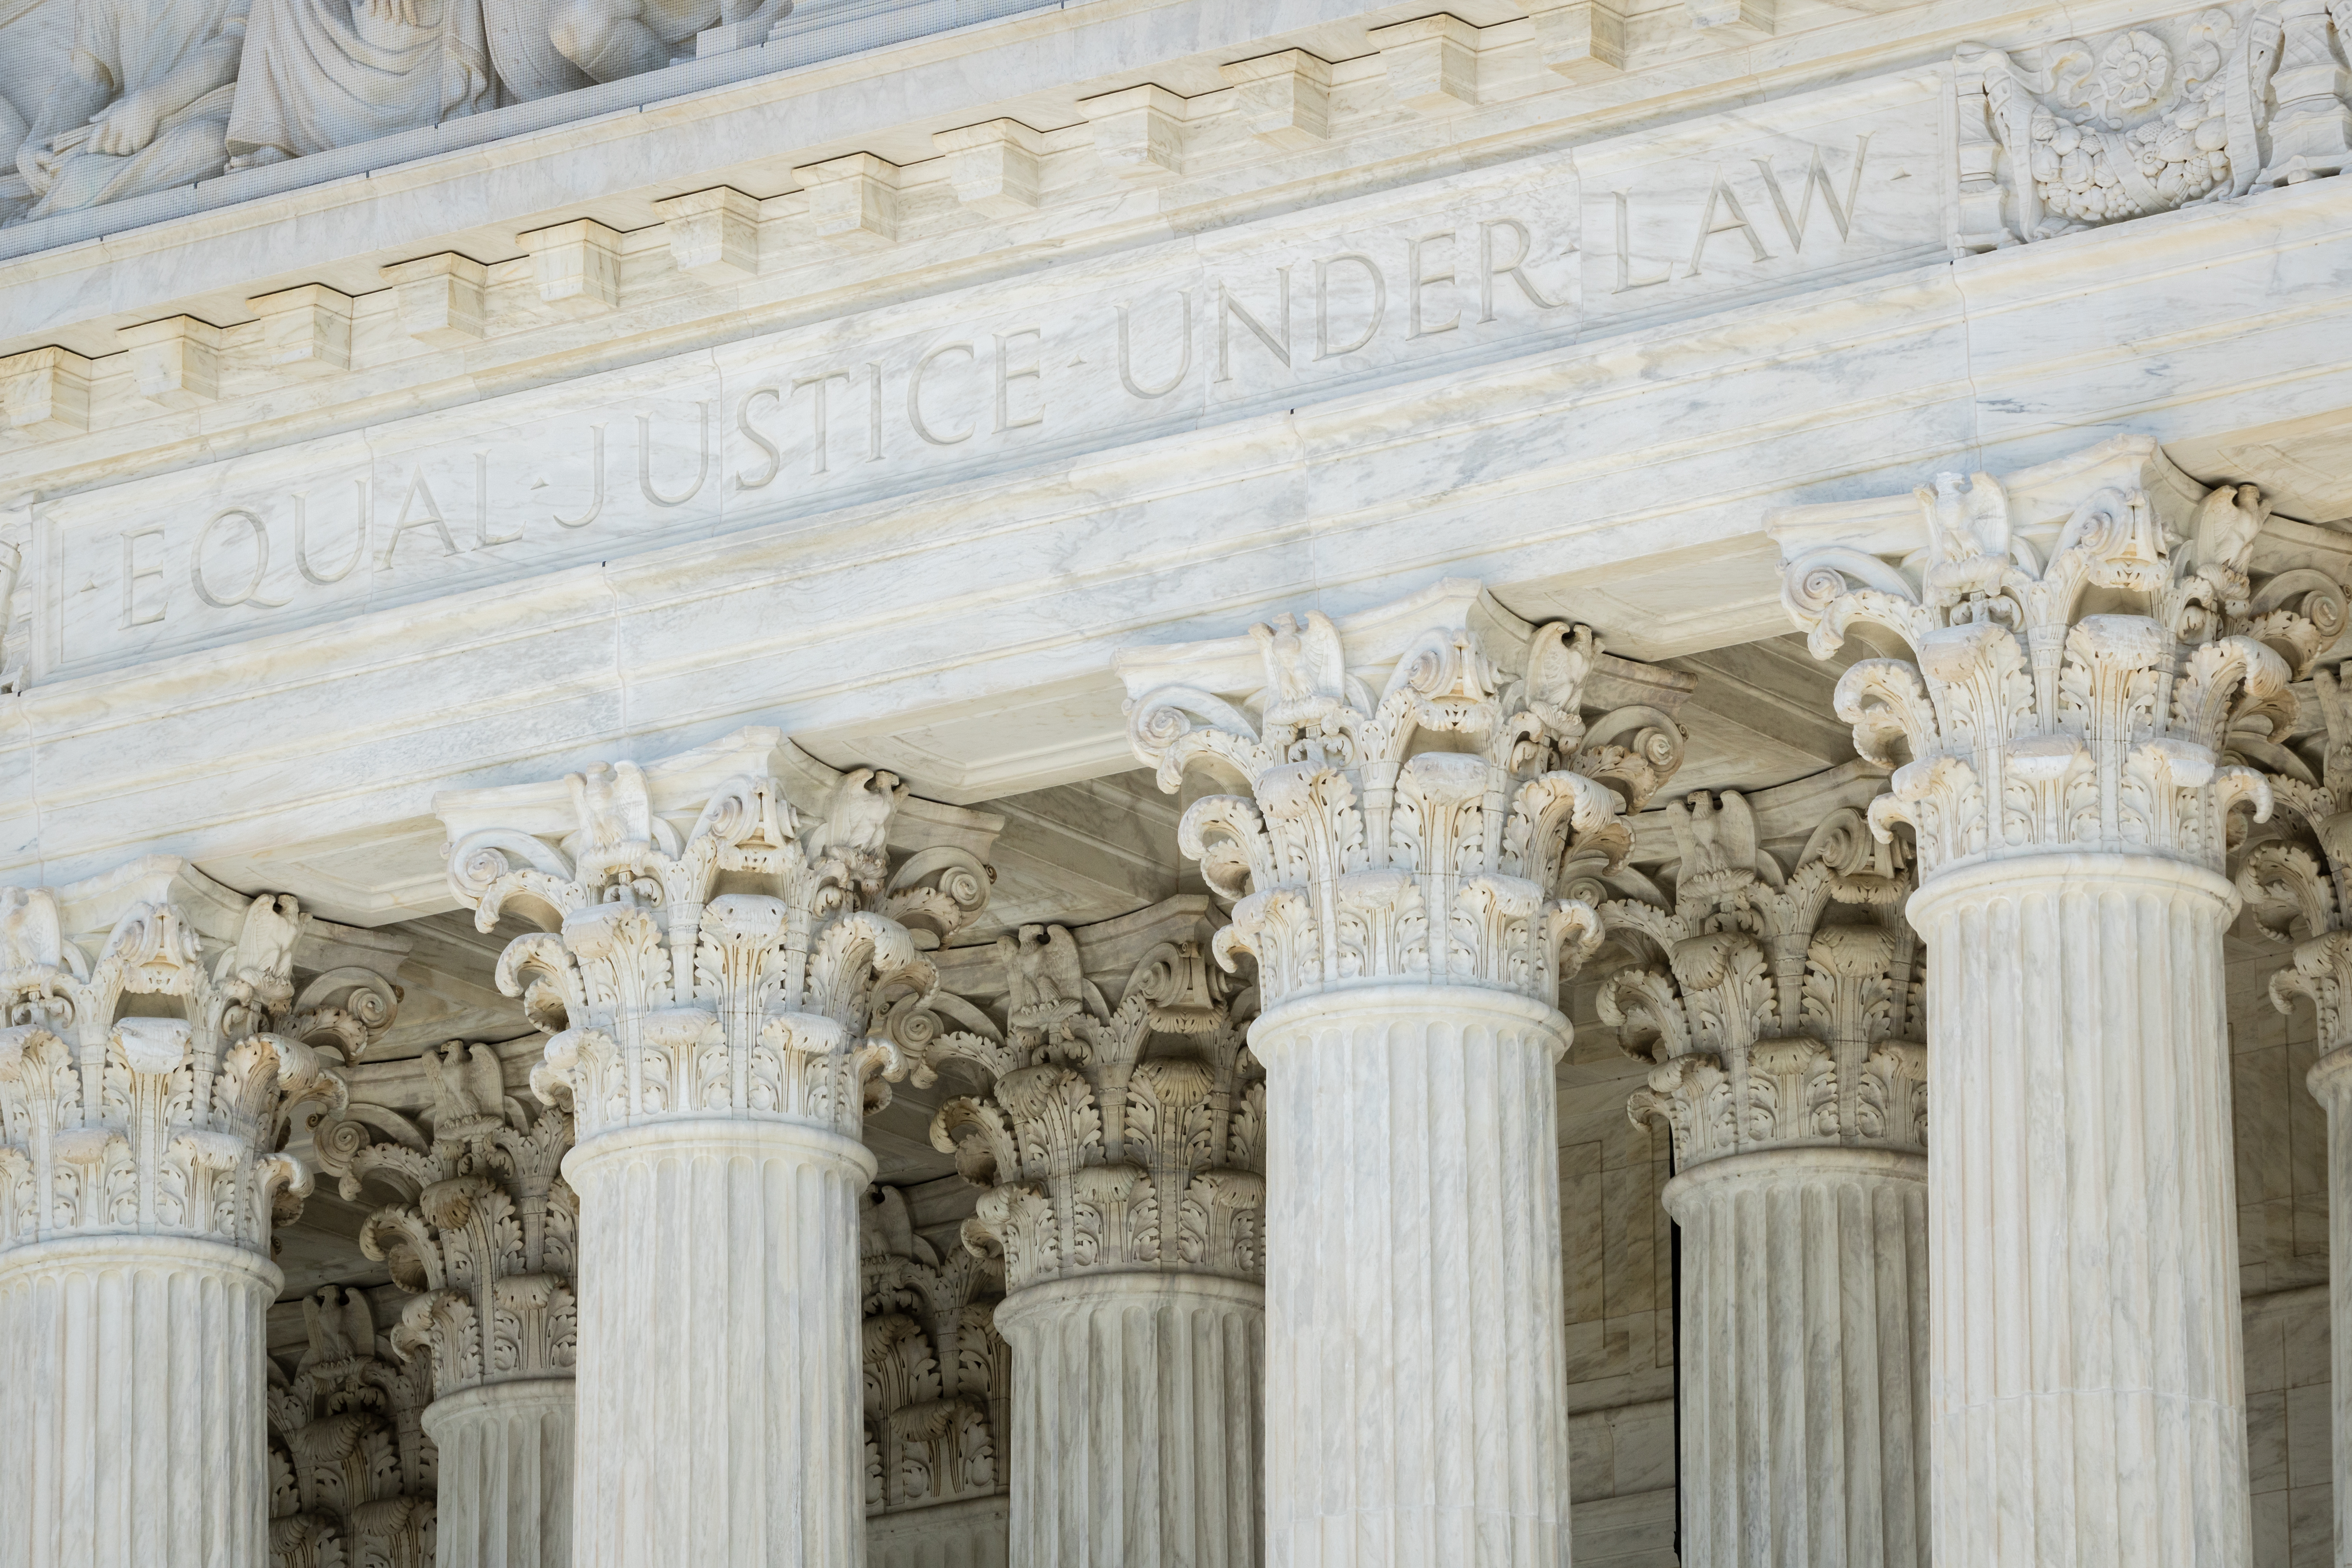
(976, 785)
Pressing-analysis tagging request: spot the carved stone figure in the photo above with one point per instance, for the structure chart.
(35, 52)
(613, 38)
(144, 105)
(317, 74)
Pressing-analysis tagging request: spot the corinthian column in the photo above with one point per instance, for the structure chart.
(147, 1075)
(485, 1241)
(718, 995)
(1396, 866)
(1784, 1022)
(2296, 878)
(1122, 1151)
(2061, 774)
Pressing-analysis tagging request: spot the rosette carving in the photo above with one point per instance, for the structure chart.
(485, 1237)
(2088, 132)
(937, 1376)
(1781, 1007)
(1120, 1138)
(754, 963)
(150, 1089)
(2027, 725)
(1427, 833)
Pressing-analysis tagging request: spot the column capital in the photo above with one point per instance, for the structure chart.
(1783, 1004)
(1421, 782)
(160, 1032)
(485, 1241)
(2088, 639)
(352, 1474)
(2294, 872)
(738, 930)
(937, 1373)
(1114, 1138)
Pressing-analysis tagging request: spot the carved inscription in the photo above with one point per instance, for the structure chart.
(1753, 211)
(791, 427)
(850, 411)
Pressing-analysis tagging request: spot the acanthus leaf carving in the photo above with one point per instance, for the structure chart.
(1136, 1147)
(1768, 997)
(486, 1233)
(937, 1375)
(754, 965)
(356, 1476)
(2026, 725)
(1429, 832)
(149, 1090)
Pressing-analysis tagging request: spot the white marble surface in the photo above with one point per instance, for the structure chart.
(1137, 1425)
(124, 1349)
(504, 1497)
(2333, 1084)
(974, 705)
(965, 384)
(952, 1535)
(1804, 1379)
(719, 1347)
(2086, 1365)
(1414, 1376)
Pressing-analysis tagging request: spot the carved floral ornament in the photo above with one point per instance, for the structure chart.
(754, 965)
(352, 1474)
(1782, 1006)
(2024, 724)
(2194, 107)
(2296, 874)
(1114, 1138)
(486, 1239)
(150, 1089)
(2138, 121)
(936, 1374)
(1426, 834)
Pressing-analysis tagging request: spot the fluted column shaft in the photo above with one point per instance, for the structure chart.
(131, 1378)
(505, 1474)
(719, 1343)
(2086, 1365)
(1414, 1386)
(1135, 1421)
(2331, 1082)
(1804, 1397)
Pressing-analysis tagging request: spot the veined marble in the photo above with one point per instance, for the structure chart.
(967, 783)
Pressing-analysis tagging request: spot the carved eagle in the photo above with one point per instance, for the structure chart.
(340, 1325)
(1966, 520)
(468, 1083)
(858, 822)
(1306, 673)
(613, 806)
(1718, 840)
(31, 941)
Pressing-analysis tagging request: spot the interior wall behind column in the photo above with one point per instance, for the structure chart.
(2281, 1174)
(1614, 1245)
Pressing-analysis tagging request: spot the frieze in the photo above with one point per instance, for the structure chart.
(967, 387)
